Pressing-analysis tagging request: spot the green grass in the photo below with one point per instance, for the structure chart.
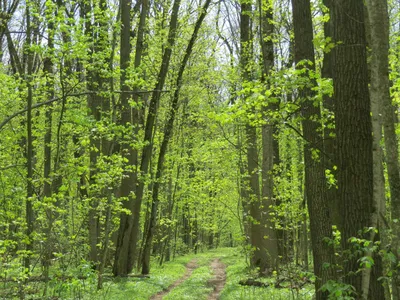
(143, 288)
(237, 270)
(195, 287)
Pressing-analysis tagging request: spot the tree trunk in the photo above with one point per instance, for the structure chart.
(259, 257)
(378, 22)
(129, 237)
(124, 257)
(47, 186)
(29, 146)
(380, 96)
(167, 136)
(267, 134)
(315, 183)
(329, 132)
(354, 155)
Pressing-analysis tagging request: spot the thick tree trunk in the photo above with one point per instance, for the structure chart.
(124, 257)
(95, 103)
(259, 256)
(267, 135)
(380, 96)
(353, 136)
(378, 28)
(315, 183)
(329, 132)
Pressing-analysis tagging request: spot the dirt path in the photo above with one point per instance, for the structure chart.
(190, 267)
(218, 281)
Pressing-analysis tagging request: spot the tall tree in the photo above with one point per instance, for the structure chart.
(328, 105)
(167, 136)
(269, 153)
(129, 236)
(259, 255)
(315, 183)
(29, 141)
(124, 256)
(380, 99)
(377, 32)
(353, 136)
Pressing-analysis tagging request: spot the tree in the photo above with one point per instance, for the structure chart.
(315, 183)
(259, 257)
(269, 142)
(353, 136)
(164, 145)
(126, 246)
(382, 109)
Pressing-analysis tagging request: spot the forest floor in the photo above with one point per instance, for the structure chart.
(210, 275)
(190, 266)
(217, 282)
(219, 279)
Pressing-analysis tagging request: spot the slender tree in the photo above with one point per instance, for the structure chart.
(167, 136)
(29, 146)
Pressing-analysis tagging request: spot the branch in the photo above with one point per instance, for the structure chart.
(37, 105)
(10, 167)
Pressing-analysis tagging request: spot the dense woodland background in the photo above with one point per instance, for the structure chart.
(131, 130)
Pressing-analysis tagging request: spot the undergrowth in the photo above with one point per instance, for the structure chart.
(196, 287)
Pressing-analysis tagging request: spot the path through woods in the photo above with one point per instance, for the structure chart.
(190, 267)
(217, 282)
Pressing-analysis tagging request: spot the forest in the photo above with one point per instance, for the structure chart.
(199, 149)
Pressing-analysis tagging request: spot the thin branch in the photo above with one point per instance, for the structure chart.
(37, 105)
(11, 166)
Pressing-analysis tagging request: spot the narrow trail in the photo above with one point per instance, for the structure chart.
(190, 267)
(218, 281)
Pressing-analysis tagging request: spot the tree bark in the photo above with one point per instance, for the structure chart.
(29, 146)
(48, 68)
(268, 139)
(354, 155)
(378, 28)
(258, 256)
(124, 257)
(315, 183)
(129, 237)
(380, 97)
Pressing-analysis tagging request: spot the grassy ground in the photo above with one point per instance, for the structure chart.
(237, 270)
(195, 287)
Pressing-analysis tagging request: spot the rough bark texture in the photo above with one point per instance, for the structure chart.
(29, 146)
(268, 130)
(379, 22)
(96, 31)
(353, 135)
(124, 256)
(329, 131)
(259, 256)
(315, 183)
